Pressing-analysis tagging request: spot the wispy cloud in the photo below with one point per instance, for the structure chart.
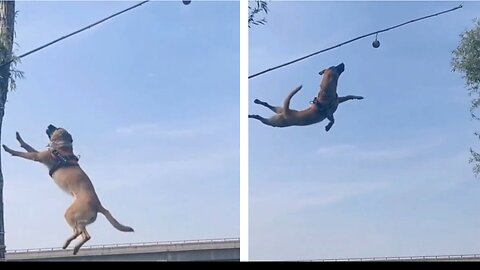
(153, 129)
(365, 152)
(381, 152)
(152, 75)
(291, 197)
(165, 169)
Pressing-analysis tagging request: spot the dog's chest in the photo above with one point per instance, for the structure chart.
(63, 185)
(325, 106)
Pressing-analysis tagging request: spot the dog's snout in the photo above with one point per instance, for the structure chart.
(340, 68)
(50, 129)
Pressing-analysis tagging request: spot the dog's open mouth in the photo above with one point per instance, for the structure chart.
(50, 130)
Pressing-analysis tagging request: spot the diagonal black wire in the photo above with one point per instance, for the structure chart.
(76, 32)
(352, 40)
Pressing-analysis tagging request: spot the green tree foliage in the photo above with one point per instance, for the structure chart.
(255, 8)
(7, 57)
(466, 60)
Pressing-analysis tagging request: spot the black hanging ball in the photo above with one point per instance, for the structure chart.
(376, 44)
(186, 2)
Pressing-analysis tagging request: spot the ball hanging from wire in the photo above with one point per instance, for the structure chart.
(186, 2)
(376, 43)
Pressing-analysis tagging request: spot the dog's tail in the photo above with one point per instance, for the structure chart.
(113, 221)
(286, 103)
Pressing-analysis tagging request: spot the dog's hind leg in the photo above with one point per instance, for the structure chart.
(263, 120)
(85, 237)
(275, 109)
(70, 218)
(76, 233)
(78, 215)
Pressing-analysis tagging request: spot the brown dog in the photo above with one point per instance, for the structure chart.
(323, 106)
(64, 169)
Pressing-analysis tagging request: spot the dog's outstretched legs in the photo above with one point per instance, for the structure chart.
(72, 222)
(280, 112)
(76, 233)
(23, 144)
(340, 100)
(85, 238)
(31, 152)
(263, 120)
(349, 97)
(26, 155)
(78, 217)
(275, 109)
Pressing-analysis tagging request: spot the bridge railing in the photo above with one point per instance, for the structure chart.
(141, 244)
(407, 258)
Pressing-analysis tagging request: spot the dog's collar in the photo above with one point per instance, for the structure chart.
(62, 161)
(317, 104)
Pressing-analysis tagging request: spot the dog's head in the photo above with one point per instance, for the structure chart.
(59, 137)
(330, 78)
(333, 70)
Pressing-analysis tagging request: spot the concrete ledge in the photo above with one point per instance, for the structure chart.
(465, 257)
(189, 250)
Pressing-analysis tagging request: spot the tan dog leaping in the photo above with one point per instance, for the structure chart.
(323, 106)
(64, 169)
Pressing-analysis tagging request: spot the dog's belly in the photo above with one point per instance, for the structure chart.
(73, 181)
(308, 121)
(64, 187)
(307, 117)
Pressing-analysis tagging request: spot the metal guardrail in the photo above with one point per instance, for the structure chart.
(142, 244)
(407, 258)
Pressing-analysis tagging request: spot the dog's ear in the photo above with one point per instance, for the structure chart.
(321, 72)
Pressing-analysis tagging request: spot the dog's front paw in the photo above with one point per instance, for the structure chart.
(257, 101)
(359, 97)
(19, 138)
(8, 150)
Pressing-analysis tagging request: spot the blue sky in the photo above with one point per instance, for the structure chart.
(391, 178)
(151, 99)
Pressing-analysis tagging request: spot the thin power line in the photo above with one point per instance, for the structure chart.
(76, 32)
(352, 40)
